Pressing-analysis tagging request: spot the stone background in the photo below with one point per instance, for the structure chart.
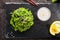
(2, 19)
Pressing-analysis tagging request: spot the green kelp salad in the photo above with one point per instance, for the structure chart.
(21, 19)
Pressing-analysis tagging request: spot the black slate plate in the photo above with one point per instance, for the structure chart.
(39, 29)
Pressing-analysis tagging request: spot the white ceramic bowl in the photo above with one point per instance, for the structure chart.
(44, 14)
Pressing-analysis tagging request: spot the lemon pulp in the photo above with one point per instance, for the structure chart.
(55, 28)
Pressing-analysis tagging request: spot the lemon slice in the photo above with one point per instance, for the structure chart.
(55, 28)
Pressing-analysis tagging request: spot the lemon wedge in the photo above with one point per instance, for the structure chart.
(55, 28)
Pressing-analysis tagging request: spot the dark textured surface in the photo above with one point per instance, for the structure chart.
(2, 23)
(39, 29)
(2, 12)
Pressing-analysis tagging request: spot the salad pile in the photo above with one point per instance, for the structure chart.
(21, 19)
